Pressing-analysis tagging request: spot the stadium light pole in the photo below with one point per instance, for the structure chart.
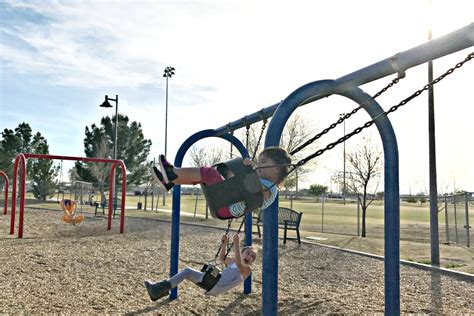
(169, 72)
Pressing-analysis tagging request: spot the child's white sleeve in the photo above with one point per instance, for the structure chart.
(273, 193)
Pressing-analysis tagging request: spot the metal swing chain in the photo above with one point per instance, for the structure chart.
(229, 247)
(392, 109)
(343, 118)
(259, 138)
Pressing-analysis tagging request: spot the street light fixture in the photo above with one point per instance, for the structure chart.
(341, 116)
(106, 104)
(169, 72)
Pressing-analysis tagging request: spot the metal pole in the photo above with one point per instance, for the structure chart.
(115, 149)
(358, 215)
(116, 126)
(446, 221)
(434, 234)
(296, 191)
(166, 118)
(322, 216)
(455, 219)
(166, 132)
(466, 201)
(344, 160)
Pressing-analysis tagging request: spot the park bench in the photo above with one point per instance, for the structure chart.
(288, 219)
(103, 204)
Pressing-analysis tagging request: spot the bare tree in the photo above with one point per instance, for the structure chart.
(99, 170)
(205, 156)
(362, 178)
(296, 132)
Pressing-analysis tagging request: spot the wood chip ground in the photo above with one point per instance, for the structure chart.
(85, 269)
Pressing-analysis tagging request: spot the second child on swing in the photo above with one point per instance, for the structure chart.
(237, 270)
(272, 168)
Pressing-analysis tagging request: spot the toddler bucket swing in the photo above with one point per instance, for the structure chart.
(241, 184)
(69, 209)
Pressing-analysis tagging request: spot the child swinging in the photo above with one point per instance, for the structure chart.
(236, 271)
(69, 210)
(272, 168)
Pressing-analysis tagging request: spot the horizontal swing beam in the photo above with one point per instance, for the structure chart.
(398, 63)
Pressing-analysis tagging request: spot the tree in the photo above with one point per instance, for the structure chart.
(13, 143)
(42, 171)
(132, 148)
(296, 132)
(365, 167)
(317, 189)
(205, 156)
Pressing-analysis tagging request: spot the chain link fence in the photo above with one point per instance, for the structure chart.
(456, 212)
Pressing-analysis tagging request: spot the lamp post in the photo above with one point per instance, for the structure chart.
(106, 104)
(169, 71)
(341, 116)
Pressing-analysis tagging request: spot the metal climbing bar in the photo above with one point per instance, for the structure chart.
(398, 63)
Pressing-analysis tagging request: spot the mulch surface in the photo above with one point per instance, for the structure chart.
(74, 269)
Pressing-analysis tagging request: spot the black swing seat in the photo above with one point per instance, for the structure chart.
(212, 274)
(241, 185)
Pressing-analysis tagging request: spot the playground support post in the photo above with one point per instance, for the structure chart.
(21, 159)
(3, 174)
(176, 207)
(392, 201)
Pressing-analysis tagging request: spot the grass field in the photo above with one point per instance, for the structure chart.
(336, 227)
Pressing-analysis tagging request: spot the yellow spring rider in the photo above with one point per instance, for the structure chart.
(69, 209)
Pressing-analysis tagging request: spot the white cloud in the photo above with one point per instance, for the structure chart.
(233, 58)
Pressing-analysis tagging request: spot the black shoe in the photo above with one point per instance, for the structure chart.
(166, 169)
(157, 290)
(159, 178)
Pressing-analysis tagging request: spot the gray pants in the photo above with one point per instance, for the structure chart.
(190, 274)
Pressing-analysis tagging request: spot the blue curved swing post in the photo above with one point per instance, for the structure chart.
(176, 207)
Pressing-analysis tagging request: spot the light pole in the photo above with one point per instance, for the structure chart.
(169, 71)
(106, 104)
(341, 116)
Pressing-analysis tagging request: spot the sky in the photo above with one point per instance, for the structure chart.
(232, 58)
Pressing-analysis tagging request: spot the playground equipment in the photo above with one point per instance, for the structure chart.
(21, 159)
(347, 86)
(69, 208)
(6, 191)
(243, 185)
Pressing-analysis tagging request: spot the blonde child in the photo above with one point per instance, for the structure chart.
(236, 271)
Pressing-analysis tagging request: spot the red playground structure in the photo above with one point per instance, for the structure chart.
(21, 159)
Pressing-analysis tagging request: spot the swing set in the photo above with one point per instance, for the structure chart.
(347, 86)
(20, 162)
